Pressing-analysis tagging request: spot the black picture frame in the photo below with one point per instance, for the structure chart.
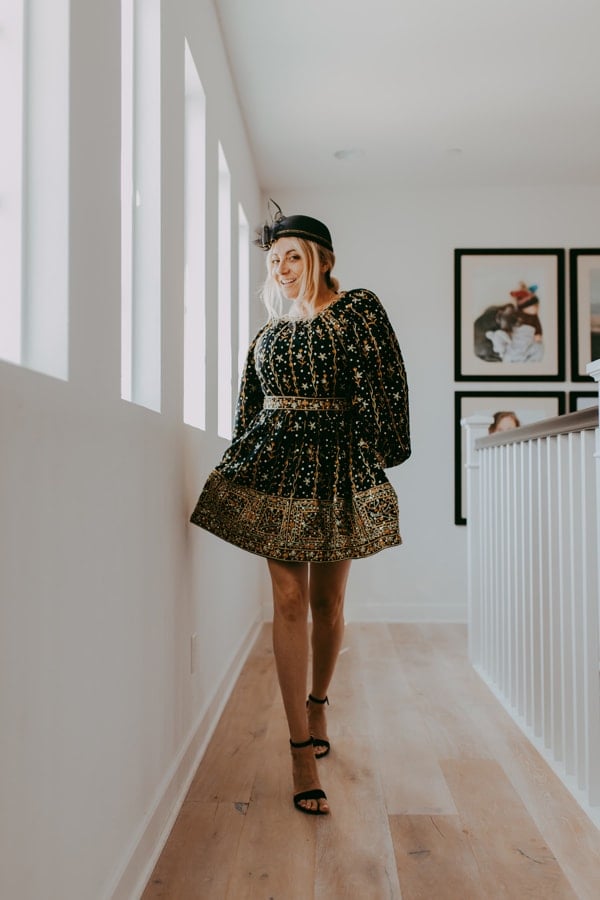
(495, 293)
(529, 406)
(584, 291)
(582, 399)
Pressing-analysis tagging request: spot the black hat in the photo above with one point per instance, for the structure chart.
(304, 227)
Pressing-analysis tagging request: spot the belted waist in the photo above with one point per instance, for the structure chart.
(335, 404)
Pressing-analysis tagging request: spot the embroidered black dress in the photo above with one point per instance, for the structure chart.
(322, 410)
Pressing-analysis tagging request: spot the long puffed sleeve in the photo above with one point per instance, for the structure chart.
(380, 399)
(250, 397)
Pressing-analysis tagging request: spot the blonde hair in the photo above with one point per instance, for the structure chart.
(314, 256)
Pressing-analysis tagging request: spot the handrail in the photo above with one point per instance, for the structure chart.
(581, 420)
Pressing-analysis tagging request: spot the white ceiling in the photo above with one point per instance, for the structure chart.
(432, 92)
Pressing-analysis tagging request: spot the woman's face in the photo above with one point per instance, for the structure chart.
(287, 266)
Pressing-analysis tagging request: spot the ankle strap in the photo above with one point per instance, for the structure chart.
(301, 744)
(316, 699)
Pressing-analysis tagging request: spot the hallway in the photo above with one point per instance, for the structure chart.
(435, 793)
(143, 140)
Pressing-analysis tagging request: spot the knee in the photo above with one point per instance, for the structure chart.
(327, 610)
(290, 603)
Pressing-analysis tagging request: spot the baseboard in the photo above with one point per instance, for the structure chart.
(409, 612)
(149, 841)
(387, 612)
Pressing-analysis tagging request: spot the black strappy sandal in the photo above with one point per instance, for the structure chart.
(314, 794)
(317, 741)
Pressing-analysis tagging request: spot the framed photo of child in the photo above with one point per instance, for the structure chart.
(509, 315)
(584, 280)
(506, 411)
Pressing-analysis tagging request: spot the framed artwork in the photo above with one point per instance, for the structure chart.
(509, 315)
(582, 400)
(584, 282)
(509, 409)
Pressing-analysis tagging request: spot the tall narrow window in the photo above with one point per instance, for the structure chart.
(140, 203)
(224, 406)
(194, 386)
(127, 199)
(243, 288)
(34, 184)
(11, 176)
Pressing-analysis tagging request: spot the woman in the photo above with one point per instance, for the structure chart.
(323, 408)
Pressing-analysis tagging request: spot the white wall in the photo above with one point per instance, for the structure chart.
(102, 580)
(400, 244)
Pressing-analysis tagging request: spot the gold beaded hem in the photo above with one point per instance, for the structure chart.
(299, 530)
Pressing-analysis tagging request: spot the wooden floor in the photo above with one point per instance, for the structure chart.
(435, 794)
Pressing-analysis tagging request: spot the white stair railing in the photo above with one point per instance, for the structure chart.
(533, 522)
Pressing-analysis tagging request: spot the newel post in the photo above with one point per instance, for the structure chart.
(475, 427)
(593, 369)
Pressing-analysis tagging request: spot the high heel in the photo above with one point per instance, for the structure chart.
(317, 741)
(314, 794)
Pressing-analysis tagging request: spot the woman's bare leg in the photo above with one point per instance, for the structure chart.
(327, 589)
(290, 639)
(290, 645)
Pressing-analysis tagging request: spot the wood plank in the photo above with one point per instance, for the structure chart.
(347, 715)
(197, 859)
(514, 859)
(354, 851)
(235, 750)
(434, 858)
(449, 636)
(275, 855)
(408, 766)
(567, 829)
(444, 696)
(402, 633)
(370, 640)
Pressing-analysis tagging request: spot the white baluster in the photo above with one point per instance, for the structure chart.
(539, 586)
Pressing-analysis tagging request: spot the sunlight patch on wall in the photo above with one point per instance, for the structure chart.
(243, 288)
(224, 404)
(194, 390)
(34, 185)
(140, 203)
